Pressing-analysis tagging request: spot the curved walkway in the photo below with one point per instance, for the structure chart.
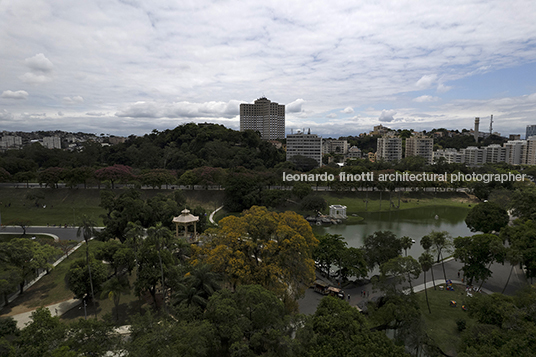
(53, 236)
(211, 217)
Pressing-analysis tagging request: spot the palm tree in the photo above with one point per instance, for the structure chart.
(134, 235)
(406, 243)
(515, 257)
(113, 289)
(426, 243)
(442, 241)
(87, 230)
(160, 237)
(427, 262)
(198, 286)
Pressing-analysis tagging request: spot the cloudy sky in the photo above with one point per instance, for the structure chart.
(340, 67)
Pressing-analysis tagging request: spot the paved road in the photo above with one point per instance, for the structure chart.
(496, 283)
(62, 233)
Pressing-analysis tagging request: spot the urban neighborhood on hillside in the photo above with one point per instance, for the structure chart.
(268, 119)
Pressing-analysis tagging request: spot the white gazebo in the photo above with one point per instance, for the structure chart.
(337, 211)
(185, 219)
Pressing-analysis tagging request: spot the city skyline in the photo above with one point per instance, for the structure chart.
(129, 67)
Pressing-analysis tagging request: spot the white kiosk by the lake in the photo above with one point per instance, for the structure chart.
(337, 212)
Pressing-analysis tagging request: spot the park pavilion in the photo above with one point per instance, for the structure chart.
(184, 220)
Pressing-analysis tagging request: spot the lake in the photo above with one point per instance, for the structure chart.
(414, 223)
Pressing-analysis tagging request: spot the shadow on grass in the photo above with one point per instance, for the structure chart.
(32, 295)
(125, 310)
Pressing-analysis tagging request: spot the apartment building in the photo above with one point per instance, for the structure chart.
(52, 142)
(308, 145)
(420, 146)
(335, 146)
(264, 116)
(389, 149)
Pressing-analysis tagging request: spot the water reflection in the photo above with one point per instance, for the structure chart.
(414, 223)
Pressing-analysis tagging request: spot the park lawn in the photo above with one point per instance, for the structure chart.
(51, 289)
(63, 206)
(355, 201)
(441, 323)
(66, 206)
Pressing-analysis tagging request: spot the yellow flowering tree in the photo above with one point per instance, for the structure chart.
(262, 247)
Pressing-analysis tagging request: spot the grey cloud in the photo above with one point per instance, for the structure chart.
(20, 94)
(5, 115)
(387, 116)
(95, 114)
(39, 63)
(33, 115)
(32, 78)
(181, 110)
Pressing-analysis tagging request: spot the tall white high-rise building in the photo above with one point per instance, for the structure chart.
(264, 116)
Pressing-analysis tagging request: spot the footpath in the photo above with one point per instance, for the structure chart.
(55, 309)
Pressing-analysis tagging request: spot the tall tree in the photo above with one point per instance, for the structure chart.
(329, 251)
(263, 247)
(441, 242)
(337, 329)
(113, 289)
(380, 247)
(514, 256)
(426, 243)
(399, 270)
(78, 279)
(520, 236)
(406, 242)
(486, 217)
(427, 262)
(478, 253)
(198, 286)
(87, 230)
(156, 260)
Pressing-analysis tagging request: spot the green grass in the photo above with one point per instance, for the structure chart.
(51, 289)
(441, 323)
(65, 206)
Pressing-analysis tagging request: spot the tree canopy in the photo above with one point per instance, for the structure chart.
(486, 217)
(262, 247)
